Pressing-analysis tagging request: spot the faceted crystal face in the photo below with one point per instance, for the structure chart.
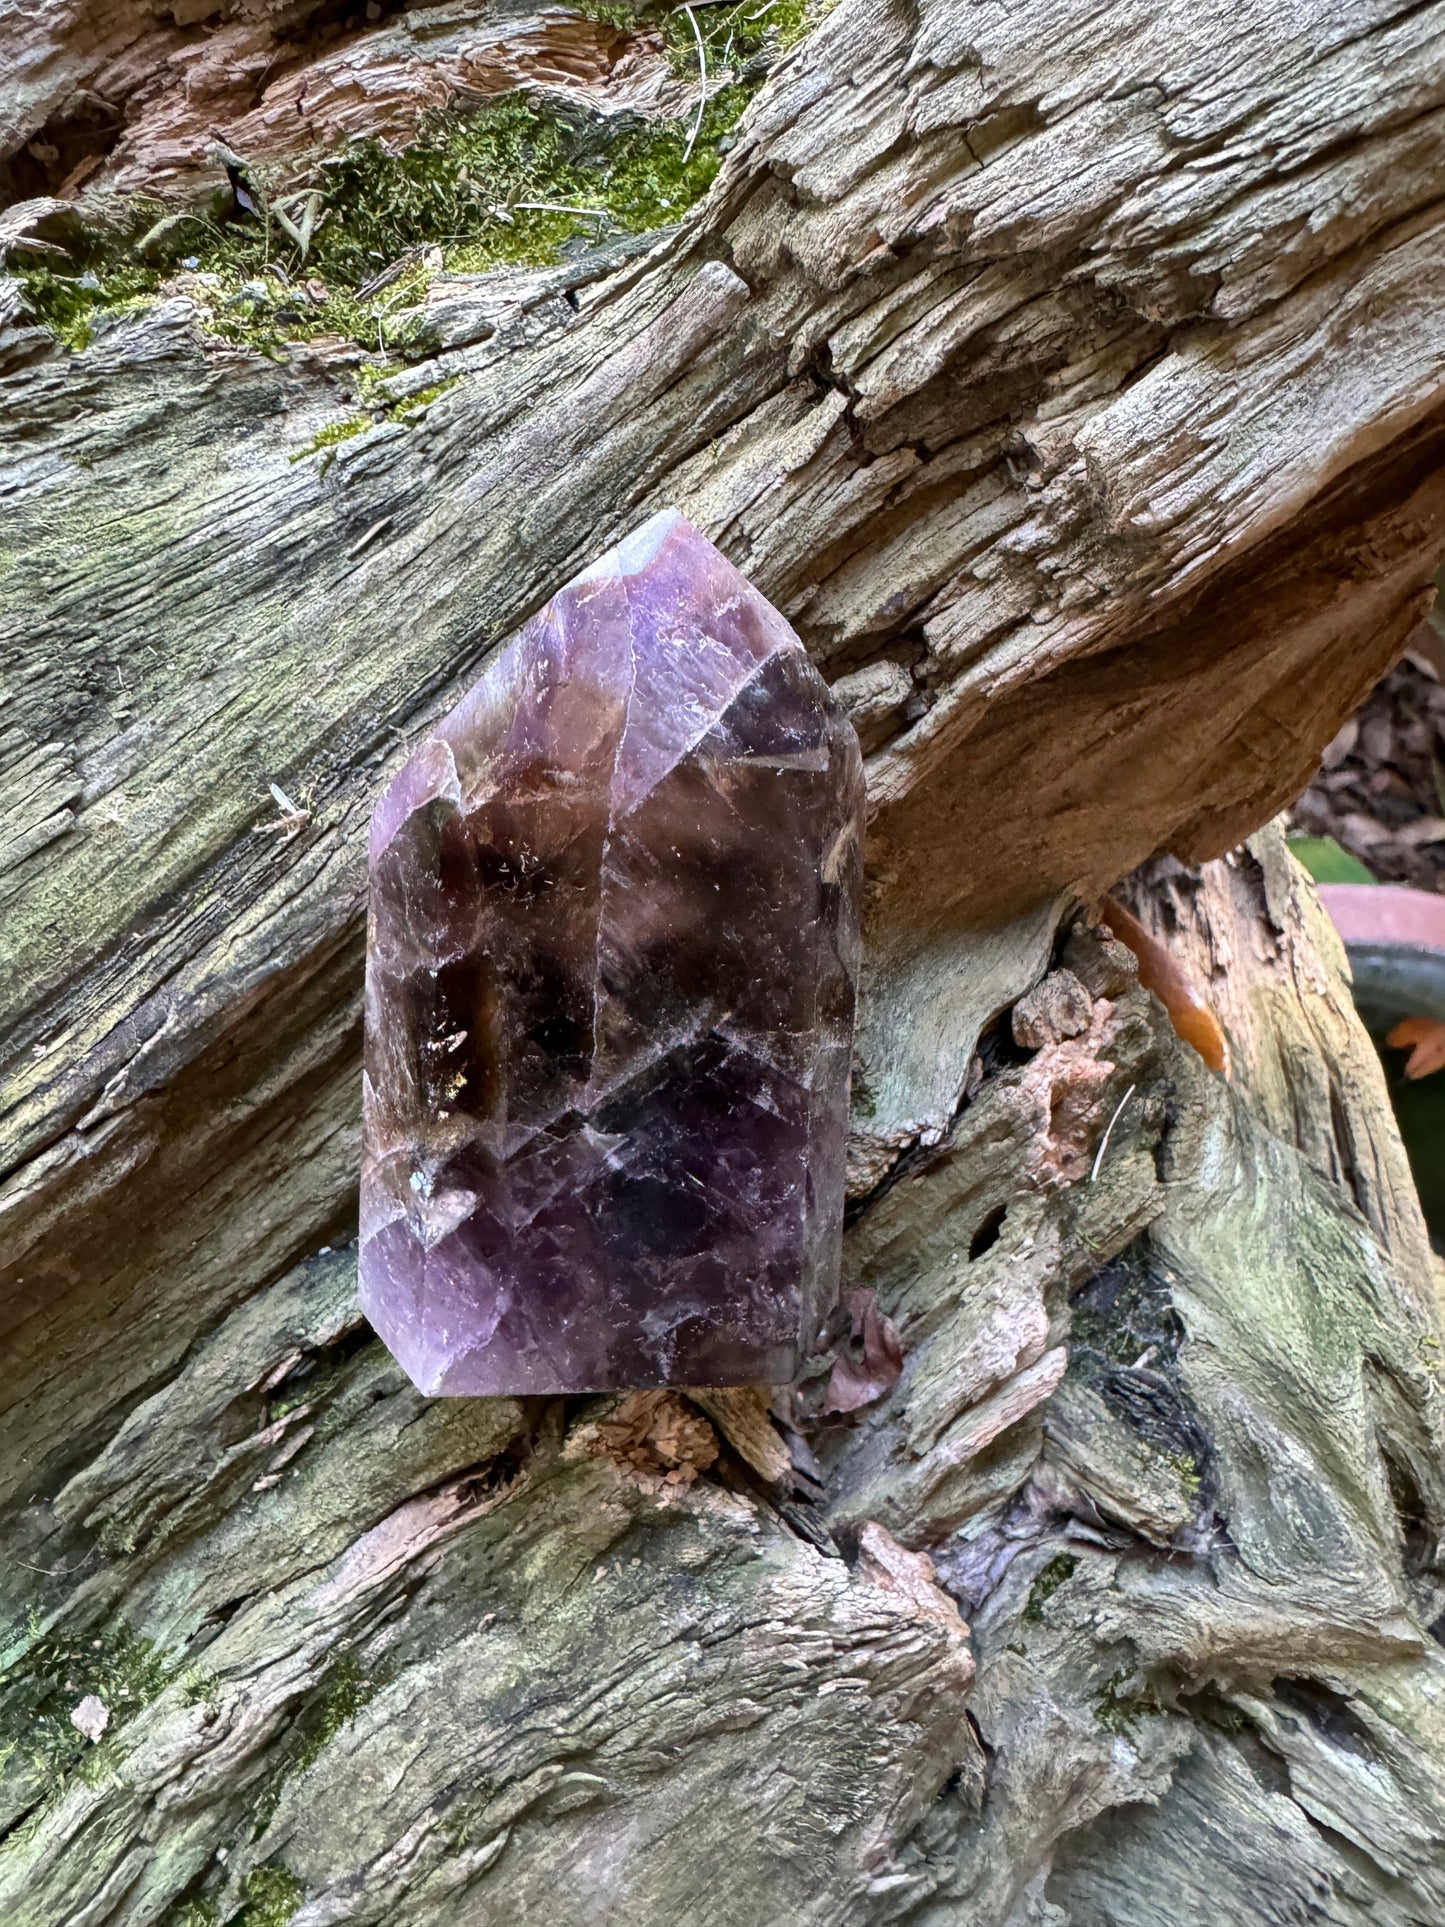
(609, 997)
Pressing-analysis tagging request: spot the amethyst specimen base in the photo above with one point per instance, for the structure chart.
(610, 983)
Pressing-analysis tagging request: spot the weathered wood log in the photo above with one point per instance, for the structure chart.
(1075, 384)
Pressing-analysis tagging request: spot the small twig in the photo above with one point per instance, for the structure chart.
(559, 207)
(397, 294)
(702, 86)
(376, 529)
(33, 245)
(1109, 1132)
(61, 1572)
(384, 277)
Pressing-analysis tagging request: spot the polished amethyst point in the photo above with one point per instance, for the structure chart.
(609, 997)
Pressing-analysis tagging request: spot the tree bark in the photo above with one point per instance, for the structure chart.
(1074, 382)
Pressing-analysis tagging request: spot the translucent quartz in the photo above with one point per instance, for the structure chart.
(609, 997)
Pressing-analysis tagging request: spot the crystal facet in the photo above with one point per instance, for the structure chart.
(609, 997)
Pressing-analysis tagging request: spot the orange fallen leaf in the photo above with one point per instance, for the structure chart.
(1159, 971)
(1424, 1038)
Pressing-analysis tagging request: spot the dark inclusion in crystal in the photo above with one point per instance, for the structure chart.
(609, 997)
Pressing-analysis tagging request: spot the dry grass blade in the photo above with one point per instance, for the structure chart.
(702, 85)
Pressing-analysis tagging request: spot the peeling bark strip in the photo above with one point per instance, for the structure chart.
(1073, 381)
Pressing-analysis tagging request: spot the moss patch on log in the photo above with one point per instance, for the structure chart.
(513, 182)
(1056, 1573)
(1121, 1706)
(510, 184)
(67, 304)
(195, 1913)
(735, 37)
(331, 435)
(112, 1663)
(273, 1895)
(343, 1692)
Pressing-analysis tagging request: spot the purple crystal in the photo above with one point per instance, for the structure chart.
(609, 997)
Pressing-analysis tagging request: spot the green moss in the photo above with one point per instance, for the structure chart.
(342, 1694)
(371, 379)
(69, 304)
(328, 437)
(114, 1663)
(456, 185)
(652, 179)
(273, 1895)
(199, 1687)
(1186, 1469)
(1121, 1711)
(613, 13)
(1059, 1569)
(417, 404)
(734, 37)
(195, 1913)
(506, 186)
(737, 37)
(117, 1539)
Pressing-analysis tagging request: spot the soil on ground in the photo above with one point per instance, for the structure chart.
(1380, 788)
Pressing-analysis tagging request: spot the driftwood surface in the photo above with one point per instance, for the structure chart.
(1073, 379)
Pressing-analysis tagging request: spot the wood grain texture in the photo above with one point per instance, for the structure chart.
(1073, 380)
